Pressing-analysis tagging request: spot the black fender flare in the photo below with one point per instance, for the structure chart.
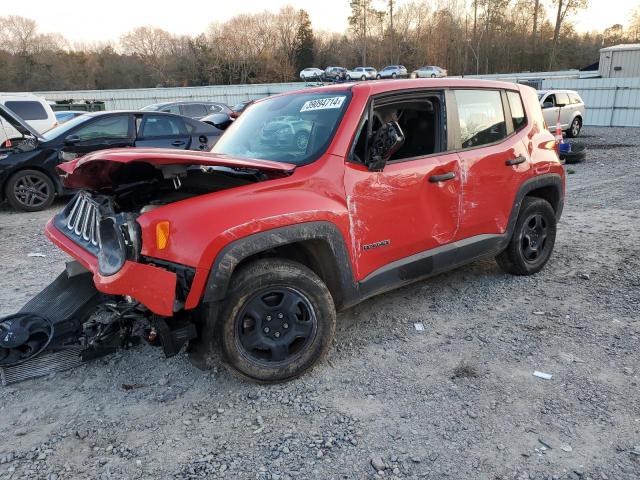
(552, 180)
(235, 252)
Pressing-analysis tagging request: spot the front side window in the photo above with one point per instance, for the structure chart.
(517, 110)
(28, 110)
(161, 126)
(171, 109)
(481, 117)
(294, 128)
(420, 120)
(108, 127)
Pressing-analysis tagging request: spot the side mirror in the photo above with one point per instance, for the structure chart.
(387, 141)
(71, 139)
(548, 105)
(220, 120)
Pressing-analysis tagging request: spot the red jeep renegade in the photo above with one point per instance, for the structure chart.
(311, 202)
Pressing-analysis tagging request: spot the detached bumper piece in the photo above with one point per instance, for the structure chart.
(38, 339)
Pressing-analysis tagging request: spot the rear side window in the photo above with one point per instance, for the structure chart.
(194, 110)
(481, 117)
(562, 99)
(575, 98)
(517, 110)
(162, 126)
(28, 110)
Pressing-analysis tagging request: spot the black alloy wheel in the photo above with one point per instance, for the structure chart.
(276, 325)
(534, 237)
(532, 240)
(276, 322)
(30, 191)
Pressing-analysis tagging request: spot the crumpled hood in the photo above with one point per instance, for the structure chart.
(98, 169)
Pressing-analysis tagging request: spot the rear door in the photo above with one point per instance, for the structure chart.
(162, 131)
(566, 109)
(492, 154)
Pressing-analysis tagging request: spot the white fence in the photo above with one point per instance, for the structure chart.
(610, 101)
(134, 99)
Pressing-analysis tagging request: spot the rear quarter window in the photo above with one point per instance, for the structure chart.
(28, 110)
(518, 114)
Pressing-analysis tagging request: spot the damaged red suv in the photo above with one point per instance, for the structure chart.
(360, 188)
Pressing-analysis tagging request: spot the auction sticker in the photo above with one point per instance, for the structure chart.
(322, 104)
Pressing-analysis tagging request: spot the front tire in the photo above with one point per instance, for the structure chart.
(533, 239)
(277, 321)
(378, 77)
(30, 191)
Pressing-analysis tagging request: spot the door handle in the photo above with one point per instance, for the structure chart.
(442, 178)
(515, 161)
(178, 143)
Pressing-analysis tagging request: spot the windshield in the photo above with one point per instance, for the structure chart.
(64, 128)
(294, 128)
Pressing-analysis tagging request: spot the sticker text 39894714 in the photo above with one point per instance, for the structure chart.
(322, 103)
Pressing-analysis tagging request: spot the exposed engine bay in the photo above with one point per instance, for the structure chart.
(140, 187)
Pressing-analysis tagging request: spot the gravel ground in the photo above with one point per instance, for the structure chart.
(457, 400)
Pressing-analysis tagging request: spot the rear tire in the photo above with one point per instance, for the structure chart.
(532, 240)
(378, 77)
(30, 191)
(277, 321)
(574, 129)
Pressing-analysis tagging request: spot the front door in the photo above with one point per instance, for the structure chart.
(412, 205)
(108, 131)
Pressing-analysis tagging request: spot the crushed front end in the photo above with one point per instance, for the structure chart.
(108, 243)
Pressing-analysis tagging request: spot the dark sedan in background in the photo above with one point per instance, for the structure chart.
(195, 110)
(28, 177)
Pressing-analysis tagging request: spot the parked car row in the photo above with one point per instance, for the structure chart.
(28, 177)
(369, 73)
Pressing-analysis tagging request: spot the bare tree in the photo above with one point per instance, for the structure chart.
(564, 8)
(152, 45)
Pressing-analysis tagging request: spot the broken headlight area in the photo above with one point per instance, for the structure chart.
(70, 322)
(93, 222)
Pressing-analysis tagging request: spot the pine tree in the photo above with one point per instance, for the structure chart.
(304, 42)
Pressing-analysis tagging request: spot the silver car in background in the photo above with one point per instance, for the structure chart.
(565, 104)
(393, 71)
(362, 73)
(429, 71)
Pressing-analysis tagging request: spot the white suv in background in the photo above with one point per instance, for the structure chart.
(35, 111)
(568, 105)
(362, 73)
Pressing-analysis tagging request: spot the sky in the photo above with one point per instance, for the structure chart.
(92, 20)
